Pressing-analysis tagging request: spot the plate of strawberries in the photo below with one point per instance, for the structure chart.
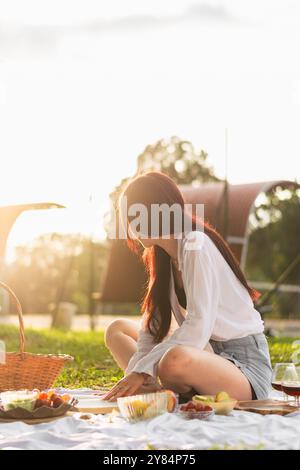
(192, 410)
(34, 404)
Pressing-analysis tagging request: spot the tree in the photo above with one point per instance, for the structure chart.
(176, 158)
(275, 242)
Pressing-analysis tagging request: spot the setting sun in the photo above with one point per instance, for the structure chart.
(78, 106)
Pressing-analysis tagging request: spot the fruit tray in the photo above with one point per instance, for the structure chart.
(42, 412)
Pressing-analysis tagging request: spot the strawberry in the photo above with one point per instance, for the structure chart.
(199, 407)
(190, 405)
(207, 408)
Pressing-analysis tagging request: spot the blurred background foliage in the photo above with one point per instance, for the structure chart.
(57, 267)
(274, 243)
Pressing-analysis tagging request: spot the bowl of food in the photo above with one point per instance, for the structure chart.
(221, 403)
(192, 410)
(26, 404)
(145, 406)
(18, 399)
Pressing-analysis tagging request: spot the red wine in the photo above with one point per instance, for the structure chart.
(277, 386)
(292, 389)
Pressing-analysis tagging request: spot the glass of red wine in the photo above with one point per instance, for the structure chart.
(278, 374)
(291, 383)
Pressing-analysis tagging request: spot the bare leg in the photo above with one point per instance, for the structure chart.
(120, 338)
(184, 368)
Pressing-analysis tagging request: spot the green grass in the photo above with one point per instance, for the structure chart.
(281, 349)
(93, 366)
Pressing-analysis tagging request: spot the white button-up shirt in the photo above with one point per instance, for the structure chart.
(218, 307)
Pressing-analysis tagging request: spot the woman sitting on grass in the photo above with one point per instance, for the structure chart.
(195, 280)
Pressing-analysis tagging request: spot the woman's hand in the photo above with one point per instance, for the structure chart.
(126, 386)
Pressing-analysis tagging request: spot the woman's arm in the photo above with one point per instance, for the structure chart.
(202, 291)
(133, 382)
(145, 344)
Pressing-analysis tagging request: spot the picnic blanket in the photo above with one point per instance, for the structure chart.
(169, 431)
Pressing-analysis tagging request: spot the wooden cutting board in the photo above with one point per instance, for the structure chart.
(96, 406)
(267, 407)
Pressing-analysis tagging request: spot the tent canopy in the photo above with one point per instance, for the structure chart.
(9, 214)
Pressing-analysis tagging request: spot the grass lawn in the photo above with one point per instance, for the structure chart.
(93, 366)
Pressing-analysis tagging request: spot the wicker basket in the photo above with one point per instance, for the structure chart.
(26, 370)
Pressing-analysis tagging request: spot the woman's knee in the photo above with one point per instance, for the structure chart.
(174, 363)
(120, 325)
(116, 326)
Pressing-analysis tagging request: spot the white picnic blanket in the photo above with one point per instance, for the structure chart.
(168, 431)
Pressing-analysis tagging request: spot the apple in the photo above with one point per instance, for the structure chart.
(222, 396)
(172, 401)
(203, 398)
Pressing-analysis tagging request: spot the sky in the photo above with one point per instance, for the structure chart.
(86, 85)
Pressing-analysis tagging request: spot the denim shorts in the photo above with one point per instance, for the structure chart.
(251, 355)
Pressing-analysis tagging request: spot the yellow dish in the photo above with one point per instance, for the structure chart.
(220, 407)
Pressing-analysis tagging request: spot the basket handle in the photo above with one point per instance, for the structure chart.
(20, 315)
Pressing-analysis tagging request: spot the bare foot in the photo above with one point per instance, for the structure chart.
(184, 397)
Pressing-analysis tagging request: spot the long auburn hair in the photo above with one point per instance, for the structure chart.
(157, 188)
